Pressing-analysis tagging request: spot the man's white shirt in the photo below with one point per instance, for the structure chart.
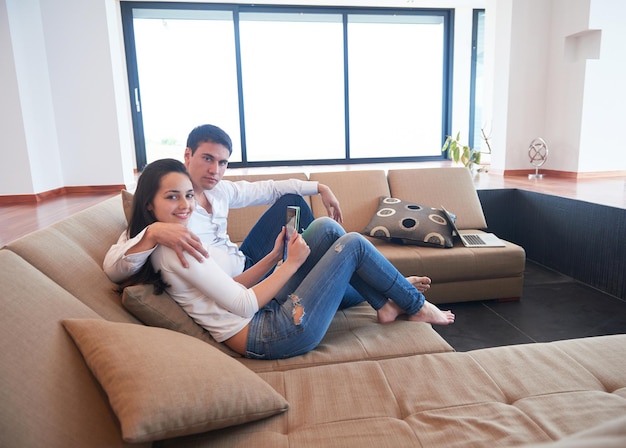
(211, 228)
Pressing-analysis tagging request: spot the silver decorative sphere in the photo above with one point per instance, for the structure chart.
(538, 154)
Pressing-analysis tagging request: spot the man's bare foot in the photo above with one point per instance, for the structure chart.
(422, 284)
(389, 312)
(429, 313)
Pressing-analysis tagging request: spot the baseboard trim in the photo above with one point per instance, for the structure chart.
(566, 174)
(57, 192)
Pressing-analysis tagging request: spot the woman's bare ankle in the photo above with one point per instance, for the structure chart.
(389, 312)
(429, 313)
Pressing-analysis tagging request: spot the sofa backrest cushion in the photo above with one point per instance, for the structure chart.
(240, 221)
(162, 311)
(351, 335)
(71, 253)
(49, 398)
(127, 204)
(451, 187)
(358, 193)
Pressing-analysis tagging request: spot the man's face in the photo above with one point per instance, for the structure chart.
(207, 165)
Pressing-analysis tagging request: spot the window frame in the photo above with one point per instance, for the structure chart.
(475, 142)
(447, 14)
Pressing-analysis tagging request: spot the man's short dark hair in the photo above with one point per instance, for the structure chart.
(208, 133)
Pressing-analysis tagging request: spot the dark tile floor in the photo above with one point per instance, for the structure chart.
(553, 307)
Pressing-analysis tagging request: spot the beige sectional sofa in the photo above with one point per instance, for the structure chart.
(78, 369)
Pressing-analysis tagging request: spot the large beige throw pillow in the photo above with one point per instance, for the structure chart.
(163, 384)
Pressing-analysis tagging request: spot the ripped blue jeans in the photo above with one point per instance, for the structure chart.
(297, 319)
(260, 240)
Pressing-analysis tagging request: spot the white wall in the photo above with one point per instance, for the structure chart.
(27, 115)
(520, 67)
(11, 124)
(497, 69)
(604, 100)
(565, 86)
(558, 71)
(529, 65)
(67, 118)
(81, 74)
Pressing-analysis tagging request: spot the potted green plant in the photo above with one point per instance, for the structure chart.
(459, 152)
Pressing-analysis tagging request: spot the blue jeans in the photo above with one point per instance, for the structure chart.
(297, 319)
(260, 241)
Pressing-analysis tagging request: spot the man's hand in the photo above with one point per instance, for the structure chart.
(178, 238)
(330, 202)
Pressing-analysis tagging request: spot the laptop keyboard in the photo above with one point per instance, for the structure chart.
(473, 239)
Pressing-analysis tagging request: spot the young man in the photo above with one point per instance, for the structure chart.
(206, 158)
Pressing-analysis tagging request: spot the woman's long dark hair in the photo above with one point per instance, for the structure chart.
(147, 187)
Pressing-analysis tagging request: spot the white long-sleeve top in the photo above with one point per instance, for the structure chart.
(210, 227)
(206, 293)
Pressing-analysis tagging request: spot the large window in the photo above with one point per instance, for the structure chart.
(186, 74)
(291, 85)
(395, 85)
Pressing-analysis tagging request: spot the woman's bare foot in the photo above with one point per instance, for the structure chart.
(422, 284)
(429, 313)
(389, 312)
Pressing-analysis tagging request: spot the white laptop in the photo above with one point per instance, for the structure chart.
(474, 239)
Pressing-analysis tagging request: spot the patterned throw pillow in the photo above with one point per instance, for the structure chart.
(404, 222)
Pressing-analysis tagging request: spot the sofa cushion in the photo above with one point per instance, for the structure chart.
(358, 193)
(71, 253)
(504, 396)
(611, 434)
(405, 222)
(355, 335)
(164, 384)
(352, 335)
(163, 311)
(451, 187)
(127, 204)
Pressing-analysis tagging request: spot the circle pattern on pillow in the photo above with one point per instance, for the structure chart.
(404, 222)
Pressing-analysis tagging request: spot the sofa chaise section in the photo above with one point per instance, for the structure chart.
(459, 274)
(501, 397)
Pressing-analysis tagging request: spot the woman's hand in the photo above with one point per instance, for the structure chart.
(297, 250)
(279, 245)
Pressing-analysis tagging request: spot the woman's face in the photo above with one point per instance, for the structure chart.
(174, 201)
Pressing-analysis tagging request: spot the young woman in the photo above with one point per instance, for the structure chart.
(288, 313)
